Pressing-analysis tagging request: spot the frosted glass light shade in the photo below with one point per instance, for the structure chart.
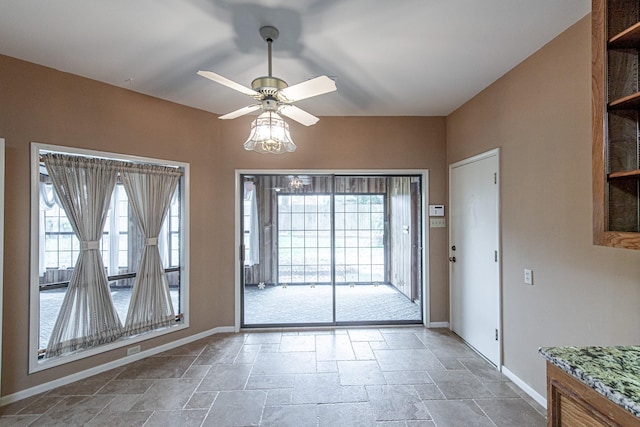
(269, 134)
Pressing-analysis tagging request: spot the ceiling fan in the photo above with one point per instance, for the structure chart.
(272, 93)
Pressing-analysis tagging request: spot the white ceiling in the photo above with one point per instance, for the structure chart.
(389, 58)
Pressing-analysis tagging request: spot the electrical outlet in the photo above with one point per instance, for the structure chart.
(528, 276)
(133, 350)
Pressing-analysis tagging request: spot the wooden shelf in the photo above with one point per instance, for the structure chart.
(615, 120)
(630, 102)
(628, 39)
(625, 174)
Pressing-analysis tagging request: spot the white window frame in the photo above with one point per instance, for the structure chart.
(36, 365)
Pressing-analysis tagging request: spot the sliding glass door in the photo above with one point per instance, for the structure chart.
(327, 250)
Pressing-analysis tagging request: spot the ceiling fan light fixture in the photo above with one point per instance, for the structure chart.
(269, 135)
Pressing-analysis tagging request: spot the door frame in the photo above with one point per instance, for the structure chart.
(423, 173)
(487, 154)
(2, 193)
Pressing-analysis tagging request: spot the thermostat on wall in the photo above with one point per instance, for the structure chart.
(436, 210)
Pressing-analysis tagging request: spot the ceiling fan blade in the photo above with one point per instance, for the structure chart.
(314, 87)
(299, 115)
(228, 83)
(240, 112)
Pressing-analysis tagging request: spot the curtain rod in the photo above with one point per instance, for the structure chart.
(126, 166)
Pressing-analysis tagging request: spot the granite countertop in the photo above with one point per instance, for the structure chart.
(613, 372)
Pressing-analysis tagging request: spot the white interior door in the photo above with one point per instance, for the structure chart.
(474, 253)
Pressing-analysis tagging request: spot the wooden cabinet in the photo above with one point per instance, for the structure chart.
(616, 134)
(572, 403)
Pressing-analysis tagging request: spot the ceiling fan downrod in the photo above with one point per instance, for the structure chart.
(269, 34)
(269, 85)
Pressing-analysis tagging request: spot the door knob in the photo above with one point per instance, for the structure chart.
(452, 259)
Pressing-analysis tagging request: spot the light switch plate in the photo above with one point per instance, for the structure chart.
(437, 222)
(528, 276)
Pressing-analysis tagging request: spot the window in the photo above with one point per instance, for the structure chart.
(360, 255)
(173, 236)
(304, 238)
(56, 249)
(117, 228)
(61, 246)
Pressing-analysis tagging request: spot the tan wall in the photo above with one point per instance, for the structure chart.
(43, 105)
(539, 114)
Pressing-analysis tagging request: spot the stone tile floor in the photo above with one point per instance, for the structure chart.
(385, 377)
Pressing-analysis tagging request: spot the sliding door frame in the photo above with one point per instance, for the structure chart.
(423, 173)
(2, 192)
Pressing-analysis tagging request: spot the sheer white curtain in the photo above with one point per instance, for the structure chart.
(150, 189)
(87, 316)
(250, 194)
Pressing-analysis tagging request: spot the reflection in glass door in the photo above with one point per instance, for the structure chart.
(329, 250)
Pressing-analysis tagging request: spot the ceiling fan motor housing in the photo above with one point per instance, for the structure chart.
(268, 85)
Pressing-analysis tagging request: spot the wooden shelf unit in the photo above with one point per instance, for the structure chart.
(616, 122)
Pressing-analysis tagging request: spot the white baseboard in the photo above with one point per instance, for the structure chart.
(438, 325)
(525, 387)
(41, 388)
